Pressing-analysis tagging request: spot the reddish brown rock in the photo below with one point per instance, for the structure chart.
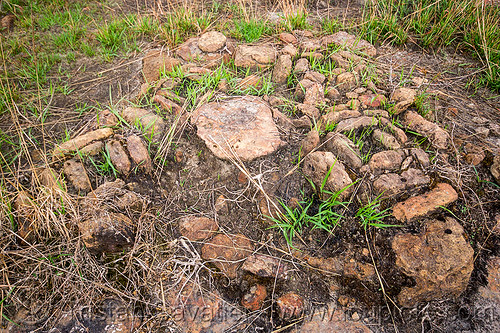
(243, 126)
(197, 228)
(421, 205)
(50, 178)
(355, 123)
(7, 22)
(385, 139)
(265, 266)
(226, 253)
(301, 66)
(495, 168)
(287, 38)
(417, 123)
(155, 62)
(404, 97)
(290, 306)
(255, 297)
(391, 184)
(474, 154)
(372, 100)
(335, 116)
(316, 167)
(75, 171)
(315, 77)
(167, 104)
(346, 81)
(107, 232)
(253, 81)
(149, 122)
(310, 142)
(110, 196)
(389, 160)
(282, 69)
(118, 156)
(212, 41)
(25, 211)
(302, 122)
(189, 50)
(92, 149)
(221, 205)
(139, 153)
(81, 141)
(342, 38)
(344, 148)
(439, 259)
(332, 320)
(254, 57)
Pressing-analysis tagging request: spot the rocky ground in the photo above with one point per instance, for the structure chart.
(204, 170)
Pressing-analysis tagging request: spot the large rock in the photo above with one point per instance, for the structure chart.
(212, 41)
(226, 253)
(243, 126)
(439, 259)
(342, 38)
(417, 123)
(316, 167)
(421, 205)
(155, 62)
(107, 232)
(254, 56)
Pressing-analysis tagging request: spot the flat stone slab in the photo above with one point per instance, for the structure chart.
(243, 126)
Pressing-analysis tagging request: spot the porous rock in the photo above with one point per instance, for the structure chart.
(439, 259)
(421, 205)
(155, 62)
(226, 252)
(316, 167)
(290, 305)
(254, 298)
(254, 57)
(107, 232)
(386, 139)
(243, 125)
(417, 123)
(75, 171)
(118, 156)
(282, 69)
(386, 160)
(139, 153)
(310, 142)
(212, 41)
(344, 148)
(404, 97)
(391, 184)
(265, 266)
(197, 228)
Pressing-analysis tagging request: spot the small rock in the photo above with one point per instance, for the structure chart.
(337, 322)
(389, 160)
(105, 118)
(335, 116)
(308, 45)
(251, 82)
(376, 113)
(152, 124)
(437, 136)
(107, 232)
(92, 149)
(282, 69)
(139, 153)
(50, 178)
(351, 95)
(482, 132)
(265, 267)
(346, 81)
(355, 123)
(212, 41)
(387, 140)
(290, 50)
(355, 316)
(179, 155)
(242, 178)
(439, 259)
(75, 171)
(309, 110)
(167, 104)
(421, 156)
(314, 94)
(372, 100)
(25, 209)
(302, 87)
(316, 167)
(118, 156)
(223, 86)
(391, 184)
(242, 125)
(221, 206)
(7, 22)
(302, 66)
(155, 62)
(287, 38)
(227, 252)
(254, 57)
(418, 81)
(314, 77)
(386, 124)
(342, 38)
(310, 142)
(197, 228)
(495, 168)
(290, 306)
(404, 97)
(406, 163)
(81, 141)
(255, 297)
(344, 148)
(423, 204)
(474, 154)
(302, 122)
(189, 50)
(332, 93)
